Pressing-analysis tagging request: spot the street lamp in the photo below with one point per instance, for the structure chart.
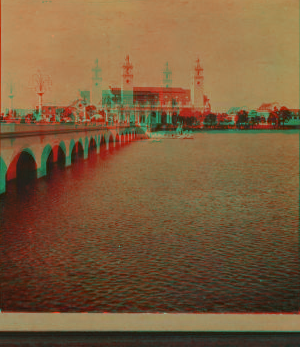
(41, 84)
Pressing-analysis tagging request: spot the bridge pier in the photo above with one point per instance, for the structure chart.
(41, 172)
(3, 170)
(40, 142)
(68, 161)
(2, 183)
(2, 187)
(86, 153)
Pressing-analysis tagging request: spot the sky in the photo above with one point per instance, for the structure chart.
(249, 49)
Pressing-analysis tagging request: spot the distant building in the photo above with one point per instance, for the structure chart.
(51, 111)
(155, 105)
(21, 112)
(266, 108)
(96, 90)
(232, 113)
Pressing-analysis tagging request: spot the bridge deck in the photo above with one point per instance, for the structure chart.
(21, 130)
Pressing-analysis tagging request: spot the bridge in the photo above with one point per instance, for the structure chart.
(27, 149)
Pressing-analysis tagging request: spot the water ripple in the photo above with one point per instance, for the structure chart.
(209, 225)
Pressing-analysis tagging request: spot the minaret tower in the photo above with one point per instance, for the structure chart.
(11, 96)
(127, 83)
(167, 78)
(96, 97)
(198, 87)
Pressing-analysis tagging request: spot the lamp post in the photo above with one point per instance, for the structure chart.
(11, 94)
(41, 83)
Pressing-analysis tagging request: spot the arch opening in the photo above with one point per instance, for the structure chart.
(103, 145)
(61, 157)
(92, 147)
(117, 140)
(23, 169)
(164, 118)
(111, 143)
(153, 117)
(50, 162)
(175, 118)
(77, 152)
(56, 158)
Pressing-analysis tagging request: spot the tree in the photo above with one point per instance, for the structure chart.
(284, 115)
(210, 120)
(68, 113)
(272, 119)
(90, 110)
(242, 119)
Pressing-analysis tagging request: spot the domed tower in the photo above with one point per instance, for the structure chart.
(96, 97)
(198, 86)
(127, 83)
(167, 76)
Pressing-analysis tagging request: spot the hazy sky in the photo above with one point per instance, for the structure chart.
(249, 49)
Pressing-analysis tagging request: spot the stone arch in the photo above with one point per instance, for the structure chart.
(92, 147)
(81, 142)
(71, 146)
(125, 137)
(86, 143)
(47, 155)
(24, 161)
(103, 143)
(117, 140)
(62, 145)
(59, 153)
(77, 151)
(108, 135)
(111, 141)
(12, 166)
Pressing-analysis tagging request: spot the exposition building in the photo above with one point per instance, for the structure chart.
(151, 106)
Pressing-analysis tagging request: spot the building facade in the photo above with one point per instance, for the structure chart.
(153, 106)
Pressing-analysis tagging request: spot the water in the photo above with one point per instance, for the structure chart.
(203, 225)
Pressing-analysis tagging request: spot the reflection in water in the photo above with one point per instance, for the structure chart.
(209, 225)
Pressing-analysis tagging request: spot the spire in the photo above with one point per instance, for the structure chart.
(127, 67)
(96, 70)
(198, 68)
(167, 78)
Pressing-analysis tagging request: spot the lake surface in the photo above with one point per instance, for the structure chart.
(203, 225)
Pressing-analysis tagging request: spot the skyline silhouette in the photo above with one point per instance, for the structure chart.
(249, 50)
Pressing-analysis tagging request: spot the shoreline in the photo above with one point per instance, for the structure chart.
(192, 131)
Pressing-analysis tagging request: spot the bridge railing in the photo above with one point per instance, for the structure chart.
(7, 128)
